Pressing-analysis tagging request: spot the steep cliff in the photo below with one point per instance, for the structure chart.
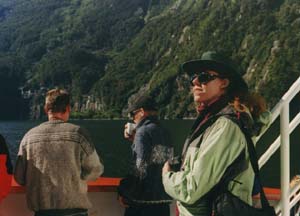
(107, 52)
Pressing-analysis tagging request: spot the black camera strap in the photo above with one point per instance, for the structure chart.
(254, 164)
(228, 175)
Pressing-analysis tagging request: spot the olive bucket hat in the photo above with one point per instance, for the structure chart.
(220, 63)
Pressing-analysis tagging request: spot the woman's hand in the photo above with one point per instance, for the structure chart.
(166, 168)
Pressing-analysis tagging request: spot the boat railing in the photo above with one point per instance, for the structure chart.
(283, 141)
(293, 197)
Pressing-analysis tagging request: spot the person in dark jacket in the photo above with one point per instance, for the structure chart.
(5, 169)
(142, 191)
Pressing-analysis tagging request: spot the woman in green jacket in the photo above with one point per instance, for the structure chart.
(215, 140)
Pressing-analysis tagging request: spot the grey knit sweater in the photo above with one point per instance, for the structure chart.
(55, 160)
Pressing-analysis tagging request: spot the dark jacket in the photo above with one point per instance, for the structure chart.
(5, 169)
(4, 151)
(151, 148)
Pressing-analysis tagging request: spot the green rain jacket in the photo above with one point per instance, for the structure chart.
(205, 164)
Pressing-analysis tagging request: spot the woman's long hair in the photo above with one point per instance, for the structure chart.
(255, 103)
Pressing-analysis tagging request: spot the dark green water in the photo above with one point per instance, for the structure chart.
(116, 153)
(107, 135)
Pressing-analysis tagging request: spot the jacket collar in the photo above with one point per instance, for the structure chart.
(147, 120)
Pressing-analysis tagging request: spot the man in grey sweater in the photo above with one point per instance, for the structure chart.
(55, 161)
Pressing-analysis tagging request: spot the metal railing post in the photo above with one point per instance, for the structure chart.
(285, 158)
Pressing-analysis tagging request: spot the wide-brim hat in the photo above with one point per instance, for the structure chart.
(220, 63)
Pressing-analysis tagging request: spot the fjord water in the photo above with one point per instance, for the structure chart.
(115, 151)
(107, 135)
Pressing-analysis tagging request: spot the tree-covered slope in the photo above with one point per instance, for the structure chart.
(108, 51)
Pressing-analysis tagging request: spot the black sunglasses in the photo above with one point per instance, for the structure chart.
(132, 113)
(204, 77)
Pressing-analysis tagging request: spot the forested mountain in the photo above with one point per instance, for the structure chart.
(108, 51)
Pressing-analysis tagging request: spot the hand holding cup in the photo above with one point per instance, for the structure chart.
(129, 130)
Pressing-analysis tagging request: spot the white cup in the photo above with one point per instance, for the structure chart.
(130, 128)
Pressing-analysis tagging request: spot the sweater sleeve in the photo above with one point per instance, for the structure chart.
(91, 166)
(204, 166)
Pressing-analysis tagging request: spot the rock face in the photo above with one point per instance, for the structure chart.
(113, 50)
